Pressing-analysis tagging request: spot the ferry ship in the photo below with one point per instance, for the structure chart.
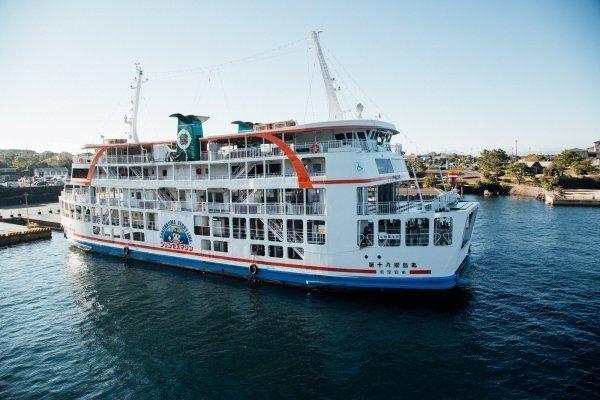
(328, 205)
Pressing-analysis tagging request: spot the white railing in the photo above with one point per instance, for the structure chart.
(266, 150)
(394, 207)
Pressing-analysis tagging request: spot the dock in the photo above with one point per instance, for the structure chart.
(574, 197)
(14, 234)
(44, 214)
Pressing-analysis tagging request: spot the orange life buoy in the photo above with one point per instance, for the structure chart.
(314, 148)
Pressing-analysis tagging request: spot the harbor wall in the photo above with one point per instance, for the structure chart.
(41, 194)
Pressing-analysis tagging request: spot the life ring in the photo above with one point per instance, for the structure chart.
(314, 148)
(126, 251)
(253, 269)
(80, 160)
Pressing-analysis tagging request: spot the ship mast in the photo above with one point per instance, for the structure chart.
(335, 111)
(132, 121)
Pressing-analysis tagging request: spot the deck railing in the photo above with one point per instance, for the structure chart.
(262, 151)
(394, 207)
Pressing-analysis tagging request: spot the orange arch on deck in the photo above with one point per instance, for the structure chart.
(90, 174)
(304, 181)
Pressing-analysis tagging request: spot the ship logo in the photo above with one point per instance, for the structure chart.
(175, 235)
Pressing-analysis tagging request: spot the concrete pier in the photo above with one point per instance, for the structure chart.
(13, 234)
(45, 214)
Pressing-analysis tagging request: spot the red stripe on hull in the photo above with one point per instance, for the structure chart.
(237, 259)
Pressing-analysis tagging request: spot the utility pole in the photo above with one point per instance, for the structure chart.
(27, 208)
(516, 149)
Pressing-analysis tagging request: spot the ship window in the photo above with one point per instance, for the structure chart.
(257, 249)
(295, 231)
(257, 229)
(384, 165)
(201, 225)
(389, 232)
(138, 236)
(361, 135)
(205, 244)
(164, 172)
(239, 228)
(339, 136)
(315, 232)
(220, 226)
(296, 253)
(221, 246)
(96, 230)
(276, 251)
(275, 229)
(365, 233)
(442, 231)
(417, 232)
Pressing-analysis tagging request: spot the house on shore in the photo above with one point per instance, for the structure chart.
(51, 173)
(538, 167)
(591, 153)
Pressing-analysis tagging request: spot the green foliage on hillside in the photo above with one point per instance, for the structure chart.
(28, 160)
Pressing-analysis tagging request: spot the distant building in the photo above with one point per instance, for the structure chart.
(8, 174)
(51, 172)
(591, 153)
(594, 153)
(537, 167)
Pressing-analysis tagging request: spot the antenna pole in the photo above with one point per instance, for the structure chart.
(133, 136)
(335, 111)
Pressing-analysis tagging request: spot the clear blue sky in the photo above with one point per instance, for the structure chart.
(456, 75)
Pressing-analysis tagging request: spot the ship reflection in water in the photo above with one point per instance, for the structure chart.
(74, 324)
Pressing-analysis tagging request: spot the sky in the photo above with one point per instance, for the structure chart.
(451, 75)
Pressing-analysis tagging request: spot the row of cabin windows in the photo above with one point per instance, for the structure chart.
(416, 232)
(259, 250)
(254, 228)
(118, 233)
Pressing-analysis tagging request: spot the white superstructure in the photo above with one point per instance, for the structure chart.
(320, 205)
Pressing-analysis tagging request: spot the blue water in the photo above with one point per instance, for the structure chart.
(76, 325)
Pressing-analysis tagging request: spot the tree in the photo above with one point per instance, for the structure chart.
(429, 181)
(565, 160)
(493, 162)
(583, 167)
(519, 170)
(418, 165)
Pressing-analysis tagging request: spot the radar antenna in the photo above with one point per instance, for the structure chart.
(335, 111)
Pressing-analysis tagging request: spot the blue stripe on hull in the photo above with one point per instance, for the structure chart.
(284, 278)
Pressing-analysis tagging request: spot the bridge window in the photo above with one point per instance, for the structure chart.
(389, 232)
(417, 232)
(442, 231)
(384, 165)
